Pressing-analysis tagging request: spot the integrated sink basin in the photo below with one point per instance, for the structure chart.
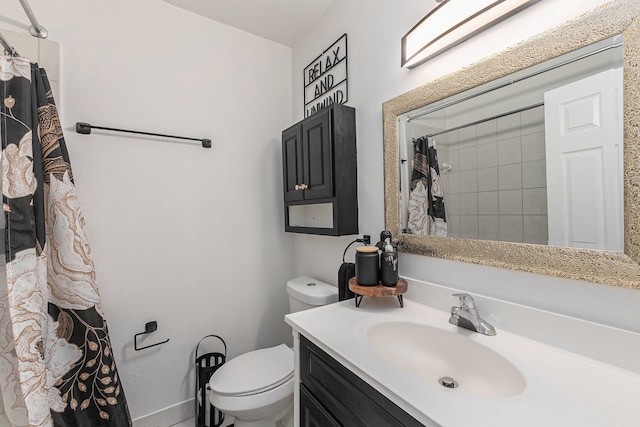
(549, 374)
(445, 358)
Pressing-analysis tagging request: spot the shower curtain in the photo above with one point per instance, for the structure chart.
(56, 361)
(426, 198)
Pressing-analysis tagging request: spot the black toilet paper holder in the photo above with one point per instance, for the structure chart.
(206, 365)
(148, 328)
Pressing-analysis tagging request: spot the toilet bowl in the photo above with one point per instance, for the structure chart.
(257, 387)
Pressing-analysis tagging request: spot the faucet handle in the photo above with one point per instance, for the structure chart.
(466, 300)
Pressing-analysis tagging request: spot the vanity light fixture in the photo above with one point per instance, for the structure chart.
(451, 23)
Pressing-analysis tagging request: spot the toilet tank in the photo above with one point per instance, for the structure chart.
(306, 292)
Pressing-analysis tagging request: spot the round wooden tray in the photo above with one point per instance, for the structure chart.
(378, 290)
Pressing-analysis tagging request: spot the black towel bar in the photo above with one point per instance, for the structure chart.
(85, 129)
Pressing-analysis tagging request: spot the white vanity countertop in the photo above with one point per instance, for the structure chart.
(562, 389)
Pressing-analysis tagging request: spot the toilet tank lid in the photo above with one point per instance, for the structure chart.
(312, 291)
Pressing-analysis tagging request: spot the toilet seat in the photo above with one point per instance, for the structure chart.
(254, 372)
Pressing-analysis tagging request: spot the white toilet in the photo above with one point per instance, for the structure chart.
(257, 387)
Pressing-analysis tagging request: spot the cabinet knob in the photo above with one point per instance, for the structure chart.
(304, 186)
(297, 187)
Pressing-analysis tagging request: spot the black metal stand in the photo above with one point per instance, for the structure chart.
(358, 300)
(206, 365)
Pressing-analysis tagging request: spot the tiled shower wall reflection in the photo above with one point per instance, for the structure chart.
(496, 188)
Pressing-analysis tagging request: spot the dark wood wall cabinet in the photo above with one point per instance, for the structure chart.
(332, 395)
(320, 173)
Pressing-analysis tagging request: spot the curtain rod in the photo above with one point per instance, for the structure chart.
(36, 30)
(477, 122)
(510, 82)
(85, 128)
(7, 47)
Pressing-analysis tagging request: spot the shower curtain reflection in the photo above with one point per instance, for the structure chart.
(56, 360)
(426, 198)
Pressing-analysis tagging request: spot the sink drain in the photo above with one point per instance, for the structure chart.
(448, 382)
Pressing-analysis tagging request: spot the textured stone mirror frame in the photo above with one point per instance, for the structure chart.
(606, 267)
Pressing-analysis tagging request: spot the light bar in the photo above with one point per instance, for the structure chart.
(451, 23)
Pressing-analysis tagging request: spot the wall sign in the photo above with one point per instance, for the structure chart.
(325, 79)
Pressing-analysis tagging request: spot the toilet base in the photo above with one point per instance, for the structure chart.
(261, 423)
(284, 417)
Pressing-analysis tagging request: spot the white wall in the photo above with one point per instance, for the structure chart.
(190, 237)
(374, 29)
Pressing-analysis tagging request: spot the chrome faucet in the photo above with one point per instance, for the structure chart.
(466, 316)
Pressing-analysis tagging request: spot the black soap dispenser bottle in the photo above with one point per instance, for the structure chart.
(389, 264)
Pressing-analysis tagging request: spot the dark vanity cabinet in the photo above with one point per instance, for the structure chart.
(332, 395)
(320, 173)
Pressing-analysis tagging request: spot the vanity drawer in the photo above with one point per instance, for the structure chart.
(343, 395)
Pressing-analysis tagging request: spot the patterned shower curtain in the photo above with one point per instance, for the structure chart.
(56, 361)
(426, 199)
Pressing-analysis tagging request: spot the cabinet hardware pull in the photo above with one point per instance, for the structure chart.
(297, 187)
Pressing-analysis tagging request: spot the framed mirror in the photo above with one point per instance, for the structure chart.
(616, 265)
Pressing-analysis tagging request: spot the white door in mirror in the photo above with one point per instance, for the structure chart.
(583, 134)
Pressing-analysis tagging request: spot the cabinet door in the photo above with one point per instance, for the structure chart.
(344, 395)
(317, 156)
(312, 414)
(292, 163)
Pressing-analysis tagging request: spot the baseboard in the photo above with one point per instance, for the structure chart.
(168, 416)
